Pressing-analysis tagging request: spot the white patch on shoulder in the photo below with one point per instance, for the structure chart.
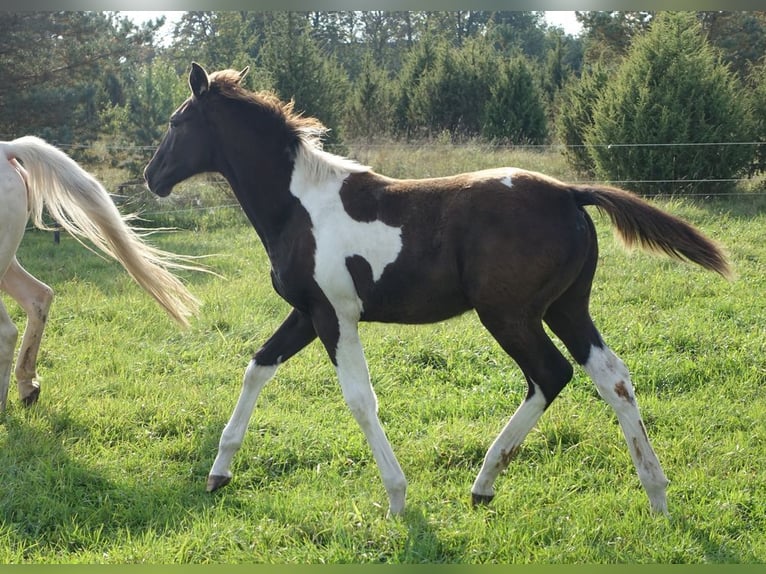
(316, 181)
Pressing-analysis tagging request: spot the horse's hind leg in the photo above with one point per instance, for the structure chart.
(8, 336)
(13, 219)
(571, 322)
(35, 297)
(546, 371)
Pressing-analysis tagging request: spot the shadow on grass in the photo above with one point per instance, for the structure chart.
(423, 544)
(53, 505)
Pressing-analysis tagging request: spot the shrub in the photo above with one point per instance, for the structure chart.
(757, 81)
(672, 88)
(514, 111)
(575, 116)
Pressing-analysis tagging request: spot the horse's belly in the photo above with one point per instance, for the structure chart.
(424, 302)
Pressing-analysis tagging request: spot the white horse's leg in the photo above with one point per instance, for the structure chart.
(13, 219)
(8, 336)
(360, 397)
(35, 297)
(613, 382)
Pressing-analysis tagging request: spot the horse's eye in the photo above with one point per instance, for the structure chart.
(178, 117)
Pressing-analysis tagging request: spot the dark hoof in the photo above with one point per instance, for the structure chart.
(214, 482)
(481, 499)
(31, 398)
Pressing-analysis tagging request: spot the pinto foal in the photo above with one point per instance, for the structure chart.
(347, 244)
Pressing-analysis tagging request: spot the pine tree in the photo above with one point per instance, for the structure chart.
(370, 108)
(301, 72)
(575, 115)
(60, 68)
(515, 112)
(418, 63)
(671, 88)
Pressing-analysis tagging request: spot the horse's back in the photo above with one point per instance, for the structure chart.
(487, 237)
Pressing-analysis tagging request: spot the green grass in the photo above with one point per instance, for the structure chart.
(110, 466)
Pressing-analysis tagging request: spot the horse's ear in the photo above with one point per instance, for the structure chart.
(198, 80)
(243, 73)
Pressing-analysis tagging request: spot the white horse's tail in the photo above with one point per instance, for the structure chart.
(81, 205)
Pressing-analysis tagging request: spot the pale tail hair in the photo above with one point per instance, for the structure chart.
(83, 208)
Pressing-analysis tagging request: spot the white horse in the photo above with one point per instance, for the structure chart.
(36, 175)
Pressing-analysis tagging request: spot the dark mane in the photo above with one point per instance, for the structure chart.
(227, 84)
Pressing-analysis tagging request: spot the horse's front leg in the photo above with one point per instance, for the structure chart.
(35, 297)
(294, 334)
(341, 339)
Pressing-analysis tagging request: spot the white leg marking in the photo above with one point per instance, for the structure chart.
(613, 383)
(256, 376)
(508, 442)
(316, 181)
(360, 397)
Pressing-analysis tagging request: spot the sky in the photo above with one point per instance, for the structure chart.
(564, 19)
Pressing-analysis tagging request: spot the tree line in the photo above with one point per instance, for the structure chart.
(96, 78)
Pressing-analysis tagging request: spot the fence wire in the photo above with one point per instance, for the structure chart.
(471, 144)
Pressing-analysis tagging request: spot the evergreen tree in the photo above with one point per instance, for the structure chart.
(575, 115)
(370, 107)
(299, 71)
(609, 34)
(516, 31)
(453, 92)
(671, 88)
(60, 68)
(741, 37)
(152, 92)
(515, 112)
(217, 40)
(418, 63)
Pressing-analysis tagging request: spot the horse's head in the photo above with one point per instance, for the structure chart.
(188, 147)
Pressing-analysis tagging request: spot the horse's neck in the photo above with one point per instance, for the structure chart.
(268, 196)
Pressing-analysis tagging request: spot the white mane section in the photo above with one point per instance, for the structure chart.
(316, 181)
(320, 165)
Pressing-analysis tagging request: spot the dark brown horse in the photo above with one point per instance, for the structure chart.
(347, 244)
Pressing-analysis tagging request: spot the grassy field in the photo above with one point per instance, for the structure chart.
(110, 466)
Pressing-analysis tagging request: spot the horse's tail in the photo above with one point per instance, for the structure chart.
(637, 222)
(80, 204)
